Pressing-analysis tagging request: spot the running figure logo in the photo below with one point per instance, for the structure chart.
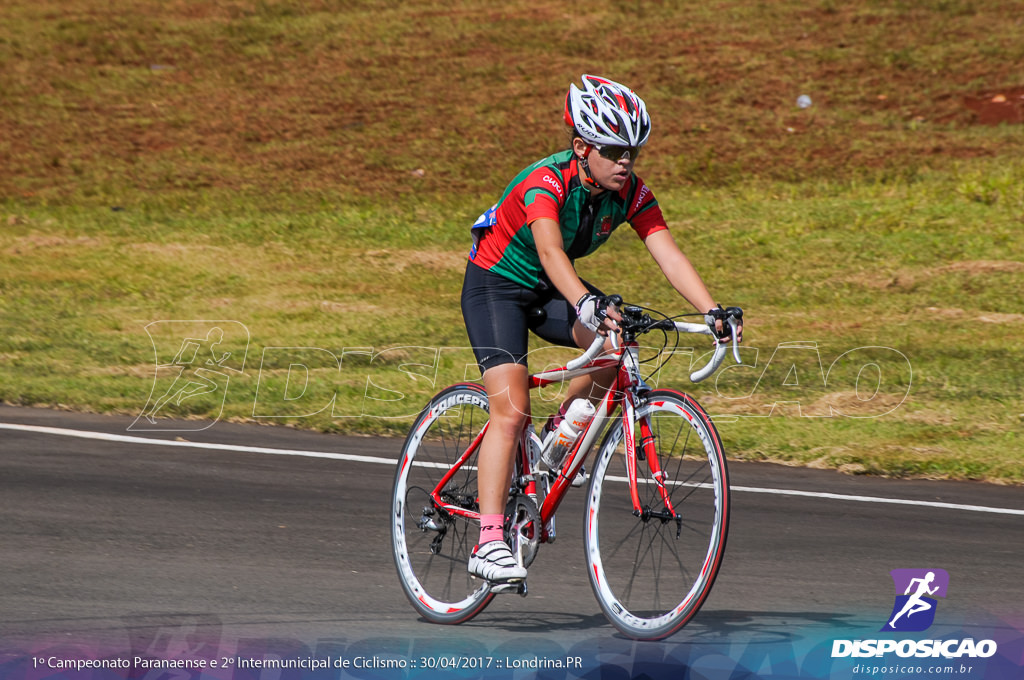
(914, 608)
(198, 357)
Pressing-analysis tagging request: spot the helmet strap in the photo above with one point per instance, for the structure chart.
(584, 163)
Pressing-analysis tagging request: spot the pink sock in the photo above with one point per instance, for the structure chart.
(491, 528)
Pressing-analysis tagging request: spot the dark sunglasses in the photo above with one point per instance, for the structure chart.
(617, 153)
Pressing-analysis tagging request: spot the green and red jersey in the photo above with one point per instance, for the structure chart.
(552, 188)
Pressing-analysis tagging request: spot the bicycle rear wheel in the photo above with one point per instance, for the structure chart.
(651, 574)
(432, 546)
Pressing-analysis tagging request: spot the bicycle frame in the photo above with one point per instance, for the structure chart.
(623, 393)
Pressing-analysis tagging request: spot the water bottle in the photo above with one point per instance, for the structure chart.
(558, 443)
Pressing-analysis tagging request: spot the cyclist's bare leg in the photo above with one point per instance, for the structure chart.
(508, 391)
(509, 396)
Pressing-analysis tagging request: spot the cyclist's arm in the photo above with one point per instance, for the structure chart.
(550, 248)
(681, 273)
(678, 269)
(548, 238)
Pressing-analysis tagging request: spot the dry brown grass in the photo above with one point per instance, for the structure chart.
(375, 99)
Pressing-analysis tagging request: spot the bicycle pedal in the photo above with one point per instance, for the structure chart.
(512, 587)
(497, 584)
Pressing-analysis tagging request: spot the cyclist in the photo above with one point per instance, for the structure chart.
(559, 209)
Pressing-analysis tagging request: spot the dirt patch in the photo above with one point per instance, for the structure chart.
(33, 242)
(929, 417)
(856, 405)
(432, 260)
(835, 404)
(334, 307)
(947, 312)
(997, 106)
(983, 266)
(136, 371)
(907, 279)
(171, 249)
(997, 317)
(987, 317)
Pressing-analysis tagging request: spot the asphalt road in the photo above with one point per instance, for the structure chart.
(132, 543)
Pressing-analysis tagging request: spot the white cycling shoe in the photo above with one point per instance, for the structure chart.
(494, 562)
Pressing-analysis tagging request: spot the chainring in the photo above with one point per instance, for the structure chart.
(523, 527)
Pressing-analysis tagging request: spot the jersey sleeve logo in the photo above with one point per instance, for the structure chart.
(640, 198)
(551, 181)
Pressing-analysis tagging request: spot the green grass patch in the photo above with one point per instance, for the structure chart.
(881, 321)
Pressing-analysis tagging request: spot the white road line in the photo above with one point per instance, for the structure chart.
(874, 499)
(128, 439)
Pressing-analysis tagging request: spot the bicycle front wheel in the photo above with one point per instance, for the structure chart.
(431, 545)
(651, 573)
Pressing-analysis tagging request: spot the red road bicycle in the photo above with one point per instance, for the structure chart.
(657, 508)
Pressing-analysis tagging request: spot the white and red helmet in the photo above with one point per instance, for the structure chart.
(605, 112)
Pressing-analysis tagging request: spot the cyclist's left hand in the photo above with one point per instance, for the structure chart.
(717, 320)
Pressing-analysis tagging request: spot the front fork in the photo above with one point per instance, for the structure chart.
(648, 452)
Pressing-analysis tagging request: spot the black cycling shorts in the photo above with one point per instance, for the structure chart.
(498, 313)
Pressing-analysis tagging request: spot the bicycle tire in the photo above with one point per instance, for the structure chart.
(651, 576)
(431, 548)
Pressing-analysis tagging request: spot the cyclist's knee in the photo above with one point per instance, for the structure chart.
(583, 336)
(508, 392)
(509, 413)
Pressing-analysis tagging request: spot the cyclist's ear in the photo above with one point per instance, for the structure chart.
(579, 147)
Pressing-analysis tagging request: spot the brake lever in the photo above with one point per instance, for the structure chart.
(735, 341)
(735, 318)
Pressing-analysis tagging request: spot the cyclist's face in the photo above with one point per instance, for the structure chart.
(610, 173)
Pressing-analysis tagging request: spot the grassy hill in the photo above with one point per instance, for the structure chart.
(303, 174)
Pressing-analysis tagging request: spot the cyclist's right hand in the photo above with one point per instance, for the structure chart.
(597, 313)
